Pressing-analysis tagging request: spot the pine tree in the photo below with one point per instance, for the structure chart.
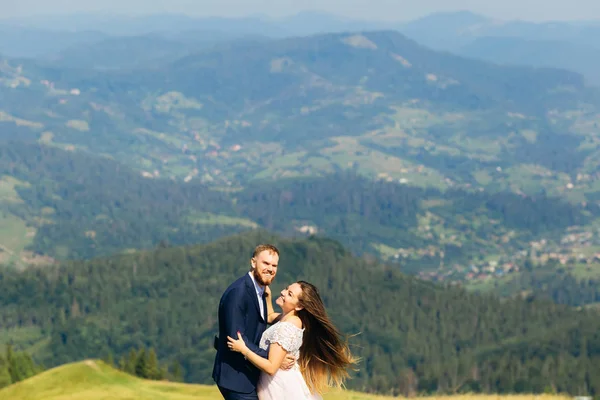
(176, 371)
(408, 383)
(131, 362)
(10, 362)
(5, 379)
(162, 373)
(21, 366)
(152, 368)
(122, 363)
(141, 365)
(9, 354)
(109, 359)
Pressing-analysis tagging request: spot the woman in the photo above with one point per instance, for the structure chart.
(304, 329)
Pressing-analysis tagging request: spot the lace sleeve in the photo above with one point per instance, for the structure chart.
(288, 336)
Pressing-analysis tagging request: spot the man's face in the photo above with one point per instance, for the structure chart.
(264, 267)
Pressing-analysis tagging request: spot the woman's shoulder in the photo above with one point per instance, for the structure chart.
(287, 334)
(292, 320)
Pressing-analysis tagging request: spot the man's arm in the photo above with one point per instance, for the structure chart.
(288, 362)
(234, 318)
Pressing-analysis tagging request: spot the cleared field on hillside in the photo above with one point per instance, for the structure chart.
(94, 380)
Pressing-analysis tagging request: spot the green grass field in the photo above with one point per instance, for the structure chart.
(14, 237)
(224, 220)
(94, 380)
(14, 233)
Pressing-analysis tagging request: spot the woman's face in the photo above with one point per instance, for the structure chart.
(289, 298)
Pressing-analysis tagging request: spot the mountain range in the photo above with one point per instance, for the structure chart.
(292, 91)
(574, 44)
(229, 118)
(539, 53)
(453, 30)
(569, 45)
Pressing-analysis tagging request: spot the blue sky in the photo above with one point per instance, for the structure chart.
(396, 10)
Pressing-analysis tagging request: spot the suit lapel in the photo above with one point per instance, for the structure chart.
(252, 292)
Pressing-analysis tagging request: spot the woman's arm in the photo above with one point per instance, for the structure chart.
(233, 312)
(271, 314)
(270, 365)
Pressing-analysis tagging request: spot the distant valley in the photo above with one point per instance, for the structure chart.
(233, 128)
(378, 103)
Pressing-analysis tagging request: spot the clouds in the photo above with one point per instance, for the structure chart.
(397, 10)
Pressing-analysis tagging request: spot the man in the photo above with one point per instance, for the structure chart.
(243, 309)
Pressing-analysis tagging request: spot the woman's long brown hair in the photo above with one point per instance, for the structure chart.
(324, 356)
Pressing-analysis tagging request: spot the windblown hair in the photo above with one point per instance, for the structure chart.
(324, 356)
(262, 247)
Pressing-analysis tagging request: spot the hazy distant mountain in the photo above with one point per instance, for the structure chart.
(119, 25)
(34, 42)
(120, 52)
(310, 23)
(444, 31)
(450, 31)
(143, 51)
(48, 36)
(453, 30)
(36, 37)
(569, 45)
(538, 53)
(301, 24)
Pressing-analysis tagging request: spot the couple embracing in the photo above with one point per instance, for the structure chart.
(296, 358)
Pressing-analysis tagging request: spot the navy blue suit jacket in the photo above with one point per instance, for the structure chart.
(239, 311)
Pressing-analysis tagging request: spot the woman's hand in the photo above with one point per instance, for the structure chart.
(267, 292)
(237, 345)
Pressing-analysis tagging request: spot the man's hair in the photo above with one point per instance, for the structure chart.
(264, 247)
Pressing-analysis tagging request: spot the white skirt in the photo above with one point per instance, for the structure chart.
(284, 385)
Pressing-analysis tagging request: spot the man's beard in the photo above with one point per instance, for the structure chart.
(259, 279)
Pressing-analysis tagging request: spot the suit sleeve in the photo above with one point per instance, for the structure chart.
(234, 305)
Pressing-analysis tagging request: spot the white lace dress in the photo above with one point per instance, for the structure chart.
(284, 385)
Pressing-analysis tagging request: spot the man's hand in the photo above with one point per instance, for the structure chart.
(288, 362)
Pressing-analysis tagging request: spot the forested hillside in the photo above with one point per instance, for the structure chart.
(555, 282)
(69, 205)
(78, 206)
(411, 335)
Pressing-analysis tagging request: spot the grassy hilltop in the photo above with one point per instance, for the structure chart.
(94, 380)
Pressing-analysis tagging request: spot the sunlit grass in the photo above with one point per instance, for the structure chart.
(94, 380)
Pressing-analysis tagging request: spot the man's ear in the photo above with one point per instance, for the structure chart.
(253, 262)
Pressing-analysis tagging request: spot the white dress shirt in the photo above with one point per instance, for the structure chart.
(259, 293)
